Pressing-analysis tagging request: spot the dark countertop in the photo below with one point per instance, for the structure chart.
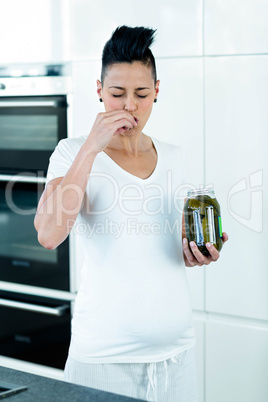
(45, 389)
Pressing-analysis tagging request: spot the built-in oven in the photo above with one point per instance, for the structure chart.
(34, 329)
(34, 116)
(37, 286)
(30, 128)
(22, 259)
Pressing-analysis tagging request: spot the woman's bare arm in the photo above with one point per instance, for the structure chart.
(61, 201)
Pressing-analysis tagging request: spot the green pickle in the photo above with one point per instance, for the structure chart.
(203, 219)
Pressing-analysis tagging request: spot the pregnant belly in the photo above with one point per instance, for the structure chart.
(158, 319)
(150, 314)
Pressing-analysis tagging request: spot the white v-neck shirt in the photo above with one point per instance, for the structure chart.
(133, 304)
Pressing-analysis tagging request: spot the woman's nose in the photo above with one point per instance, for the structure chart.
(130, 104)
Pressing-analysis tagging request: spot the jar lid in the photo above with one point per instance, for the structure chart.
(203, 191)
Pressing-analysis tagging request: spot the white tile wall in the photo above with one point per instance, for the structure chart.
(199, 326)
(236, 362)
(196, 282)
(178, 114)
(236, 144)
(179, 25)
(34, 31)
(235, 27)
(86, 101)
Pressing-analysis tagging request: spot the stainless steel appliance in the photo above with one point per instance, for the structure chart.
(33, 117)
(36, 329)
(22, 259)
(30, 128)
(37, 286)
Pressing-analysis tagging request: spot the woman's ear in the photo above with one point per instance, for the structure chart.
(99, 89)
(157, 88)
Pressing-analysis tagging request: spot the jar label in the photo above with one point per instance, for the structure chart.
(220, 227)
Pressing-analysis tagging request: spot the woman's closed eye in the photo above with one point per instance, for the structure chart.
(139, 96)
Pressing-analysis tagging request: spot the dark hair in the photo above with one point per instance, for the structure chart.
(127, 45)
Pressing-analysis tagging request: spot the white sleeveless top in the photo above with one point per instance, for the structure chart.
(133, 304)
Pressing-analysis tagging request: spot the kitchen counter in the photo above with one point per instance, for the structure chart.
(41, 389)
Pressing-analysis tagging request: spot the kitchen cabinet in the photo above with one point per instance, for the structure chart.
(199, 326)
(236, 160)
(236, 361)
(34, 31)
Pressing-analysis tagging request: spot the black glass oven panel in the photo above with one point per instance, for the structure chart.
(33, 336)
(29, 134)
(22, 259)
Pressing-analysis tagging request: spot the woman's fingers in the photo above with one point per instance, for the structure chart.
(213, 252)
(201, 259)
(191, 260)
(115, 115)
(225, 237)
(118, 122)
(123, 124)
(194, 256)
(108, 124)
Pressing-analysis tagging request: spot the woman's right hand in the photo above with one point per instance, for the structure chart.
(106, 125)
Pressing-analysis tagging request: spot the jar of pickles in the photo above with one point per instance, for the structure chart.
(202, 218)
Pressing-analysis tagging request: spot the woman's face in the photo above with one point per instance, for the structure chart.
(129, 87)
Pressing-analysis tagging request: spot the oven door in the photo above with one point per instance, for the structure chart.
(30, 129)
(22, 259)
(34, 329)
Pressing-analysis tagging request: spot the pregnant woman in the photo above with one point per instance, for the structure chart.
(117, 189)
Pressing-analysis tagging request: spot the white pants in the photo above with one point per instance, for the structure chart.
(172, 380)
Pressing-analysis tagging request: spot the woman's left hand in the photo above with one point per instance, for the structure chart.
(196, 257)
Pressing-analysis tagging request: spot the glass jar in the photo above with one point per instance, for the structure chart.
(202, 218)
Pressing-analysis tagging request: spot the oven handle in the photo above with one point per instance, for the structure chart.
(22, 179)
(50, 103)
(56, 311)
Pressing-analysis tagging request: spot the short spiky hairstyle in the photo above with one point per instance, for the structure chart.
(127, 45)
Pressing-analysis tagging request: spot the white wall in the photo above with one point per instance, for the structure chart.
(236, 98)
(34, 31)
(212, 64)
